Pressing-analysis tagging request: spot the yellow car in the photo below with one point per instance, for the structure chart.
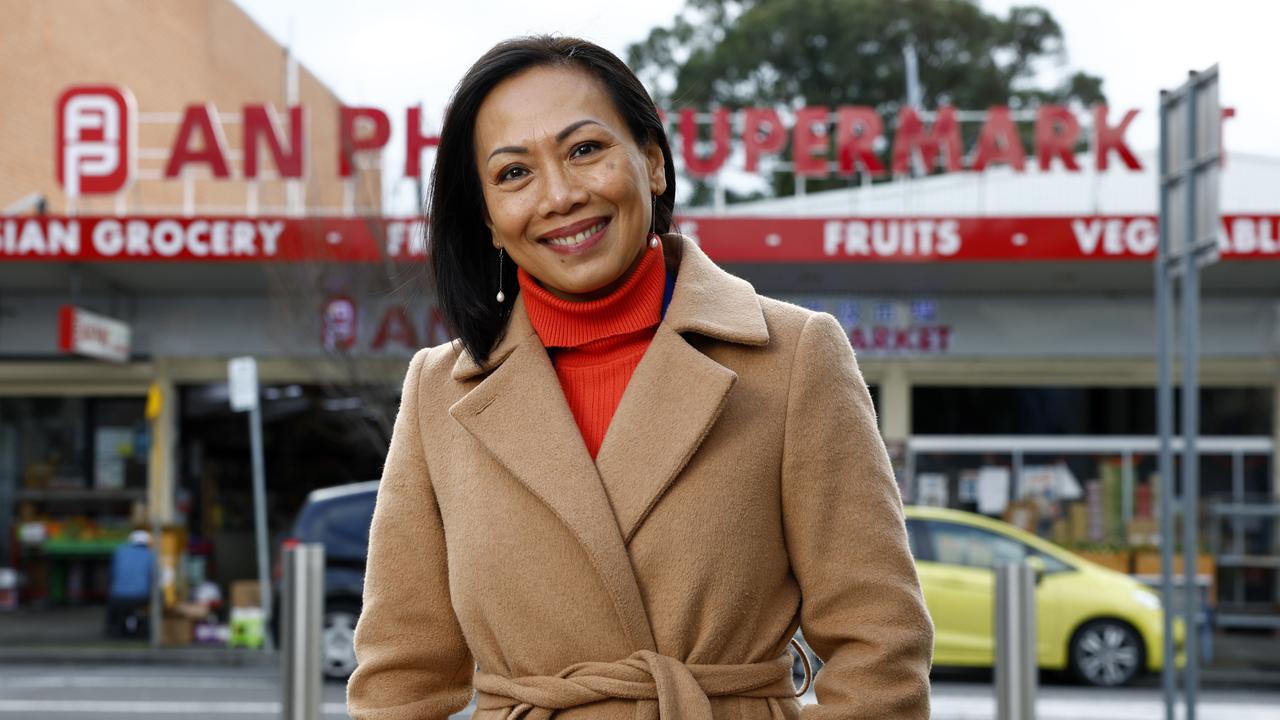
(1103, 626)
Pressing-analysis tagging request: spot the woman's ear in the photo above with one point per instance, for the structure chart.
(488, 221)
(657, 168)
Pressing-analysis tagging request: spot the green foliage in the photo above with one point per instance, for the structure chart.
(741, 53)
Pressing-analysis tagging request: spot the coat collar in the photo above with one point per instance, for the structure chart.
(707, 301)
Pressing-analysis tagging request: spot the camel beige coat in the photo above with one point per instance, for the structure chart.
(742, 490)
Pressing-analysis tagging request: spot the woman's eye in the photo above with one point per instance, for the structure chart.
(512, 173)
(585, 148)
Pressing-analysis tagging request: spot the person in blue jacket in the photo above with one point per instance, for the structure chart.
(132, 572)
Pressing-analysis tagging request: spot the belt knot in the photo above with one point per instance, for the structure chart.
(662, 687)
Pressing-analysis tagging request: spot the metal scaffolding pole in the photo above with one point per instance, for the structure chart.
(1164, 424)
(1189, 229)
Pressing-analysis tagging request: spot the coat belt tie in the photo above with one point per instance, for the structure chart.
(663, 687)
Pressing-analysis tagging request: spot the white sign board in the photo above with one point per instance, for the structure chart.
(1191, 120)
(95, 336)
(242, 376)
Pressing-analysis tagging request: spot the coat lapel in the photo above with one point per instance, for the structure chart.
(677, 392)
(520, 416)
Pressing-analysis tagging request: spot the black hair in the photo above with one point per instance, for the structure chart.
(464, 263)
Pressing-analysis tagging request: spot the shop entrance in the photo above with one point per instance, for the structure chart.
(312, 438)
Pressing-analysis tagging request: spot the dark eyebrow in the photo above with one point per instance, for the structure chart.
(560, 136)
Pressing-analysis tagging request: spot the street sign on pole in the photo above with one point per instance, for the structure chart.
(1190, 152)
(242, 377)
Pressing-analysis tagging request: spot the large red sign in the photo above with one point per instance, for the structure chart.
(943, 239)
(726, 240)
(96, 147)
(210, 239)
(858, 131)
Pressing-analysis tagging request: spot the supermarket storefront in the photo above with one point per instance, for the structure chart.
(1018, 354)
(1001, 309)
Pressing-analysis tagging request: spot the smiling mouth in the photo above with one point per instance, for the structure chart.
(568, 242)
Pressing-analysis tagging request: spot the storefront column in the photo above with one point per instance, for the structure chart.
(162, 413)
(895, 404)
(1275, 474)
(894, 413)
(1275, 445)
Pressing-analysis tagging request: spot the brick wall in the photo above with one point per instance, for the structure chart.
(169, 54)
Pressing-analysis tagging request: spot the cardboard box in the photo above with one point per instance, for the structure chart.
(245, 594)
(1078, 522)
(1143, 531)
(1148, 562)
(176, 631)
(191, 611)
(1023, 514)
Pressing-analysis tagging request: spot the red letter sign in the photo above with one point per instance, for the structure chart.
(415, 142)
(912, 136)
(1057, 131)
(202, 119)
(694, 165)
(809, 142)
(95, 141)
(755, 120)
(257, 124)
(1108, 138)
(397, 327)
(349, 144)
(338, 324)
(999, 142)
(857, 129)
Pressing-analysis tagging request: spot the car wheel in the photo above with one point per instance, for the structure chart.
(337, 639)
(1106, 653)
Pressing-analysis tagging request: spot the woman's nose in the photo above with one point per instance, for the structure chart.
(562, 193)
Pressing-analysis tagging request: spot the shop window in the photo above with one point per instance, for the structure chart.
(1080, 411)
(45, 437)
(72, 486)
(119, 437)
(961, 545)
(973, 547)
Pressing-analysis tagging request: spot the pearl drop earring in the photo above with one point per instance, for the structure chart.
(501, 297)
(654, 240)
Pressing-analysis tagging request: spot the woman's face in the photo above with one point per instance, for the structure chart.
(566, 187)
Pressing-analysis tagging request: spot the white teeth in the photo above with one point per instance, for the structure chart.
(576, 239)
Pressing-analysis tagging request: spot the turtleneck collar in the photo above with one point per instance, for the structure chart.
(635, 306)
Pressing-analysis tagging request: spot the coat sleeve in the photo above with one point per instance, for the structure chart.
(862, 610)
(414, 663)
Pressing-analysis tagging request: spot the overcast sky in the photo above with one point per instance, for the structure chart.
(395, 53)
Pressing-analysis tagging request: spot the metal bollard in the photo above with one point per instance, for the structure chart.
(302, 612)
(1017, 673)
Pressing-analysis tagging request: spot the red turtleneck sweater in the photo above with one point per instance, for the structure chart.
(597, 344)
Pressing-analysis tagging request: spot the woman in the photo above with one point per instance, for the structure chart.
(632, 478)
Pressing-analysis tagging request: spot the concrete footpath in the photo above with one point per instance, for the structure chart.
(105, 692)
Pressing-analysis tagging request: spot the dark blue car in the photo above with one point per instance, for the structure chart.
(338, 518)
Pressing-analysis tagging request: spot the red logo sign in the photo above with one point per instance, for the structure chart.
(338, 325)
(95, 141)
